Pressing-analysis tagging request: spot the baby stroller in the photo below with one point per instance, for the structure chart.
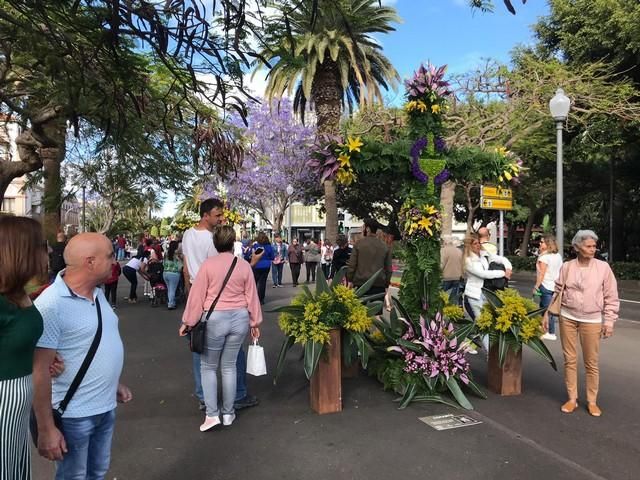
(158, 287)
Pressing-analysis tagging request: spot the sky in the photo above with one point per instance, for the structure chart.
(443, 32)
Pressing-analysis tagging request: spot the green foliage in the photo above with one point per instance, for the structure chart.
(626, 270)
(526, 264)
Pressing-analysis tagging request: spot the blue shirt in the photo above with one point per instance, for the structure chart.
(267, 257)
(70, 324)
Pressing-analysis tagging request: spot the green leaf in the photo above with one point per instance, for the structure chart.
(454, 388)
(308, 293)
(295, 309)
(541, 349)
(462, 331)
(363, 348)
(534, 313)
(349, 349)
(312, 352)
(435, 399)
(371, 298)
(338, 277)
(374, 308)
(286, 345)
(409, 345)
(408, 396)
(473, 386)
(367, 285)
(503, 346)
(321, 282)
(493, 299)
(403, 311)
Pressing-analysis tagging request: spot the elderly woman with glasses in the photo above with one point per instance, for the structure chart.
(589, 309)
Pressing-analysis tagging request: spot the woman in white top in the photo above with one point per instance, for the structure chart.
(547, 268)
(327, 258)
(476, 262)
(137, 264)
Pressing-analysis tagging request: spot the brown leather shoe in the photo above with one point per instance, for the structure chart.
(594, 410)
(570, 406)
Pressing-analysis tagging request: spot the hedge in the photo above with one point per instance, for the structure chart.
(622, 270)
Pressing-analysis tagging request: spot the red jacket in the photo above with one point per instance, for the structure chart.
(115, 273)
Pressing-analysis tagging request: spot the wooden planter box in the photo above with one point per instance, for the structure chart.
(505, 380)
(326, 382)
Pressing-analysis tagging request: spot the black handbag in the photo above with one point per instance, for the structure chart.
(77, 380)
(494, 284)
(198, 333)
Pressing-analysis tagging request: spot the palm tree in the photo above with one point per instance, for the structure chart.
(323, 51)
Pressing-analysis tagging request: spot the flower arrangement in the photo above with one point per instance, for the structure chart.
(508, 165)
(422, 168)
(310, 317)
(418, 221)
(453, 313)
(422, 361)
(512, 321)
(231, 215)
(332, 158)
(428, 84)
(184, 222)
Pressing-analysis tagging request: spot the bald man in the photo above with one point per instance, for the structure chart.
(75, 312)
(484, 236)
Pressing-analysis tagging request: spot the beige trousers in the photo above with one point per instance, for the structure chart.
(589, 334)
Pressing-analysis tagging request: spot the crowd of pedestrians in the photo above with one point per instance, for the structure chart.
(70, 332)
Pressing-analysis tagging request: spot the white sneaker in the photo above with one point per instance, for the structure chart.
(549, 336)
(228, 419)
(209, 423)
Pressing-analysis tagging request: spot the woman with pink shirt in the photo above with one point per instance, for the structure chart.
(238, 308)
(588, 310)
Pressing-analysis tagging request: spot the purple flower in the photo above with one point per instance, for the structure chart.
(442, 177)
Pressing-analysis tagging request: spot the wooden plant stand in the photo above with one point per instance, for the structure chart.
(505, 380)
(326, 382)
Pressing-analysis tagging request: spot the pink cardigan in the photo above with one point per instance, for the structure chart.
(591, 292)
(240, 291)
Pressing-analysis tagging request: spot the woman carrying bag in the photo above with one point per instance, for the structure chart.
(586, 300)
(237, 309)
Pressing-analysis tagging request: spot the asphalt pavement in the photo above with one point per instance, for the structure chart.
(524, 437)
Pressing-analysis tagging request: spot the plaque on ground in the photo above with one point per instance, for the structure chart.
(449, 421)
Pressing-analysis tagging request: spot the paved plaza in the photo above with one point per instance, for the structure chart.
(525, 437)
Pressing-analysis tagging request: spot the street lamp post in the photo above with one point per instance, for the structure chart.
(289, 193)
(559, 106)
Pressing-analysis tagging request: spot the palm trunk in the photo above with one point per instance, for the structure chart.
(527, 232)
(327, 97)
(447, 194)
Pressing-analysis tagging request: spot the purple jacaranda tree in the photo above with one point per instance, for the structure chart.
(277, 151)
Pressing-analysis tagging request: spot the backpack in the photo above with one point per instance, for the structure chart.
(494, 284)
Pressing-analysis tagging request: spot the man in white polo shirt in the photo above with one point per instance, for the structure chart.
(71, 308)
(197, 246)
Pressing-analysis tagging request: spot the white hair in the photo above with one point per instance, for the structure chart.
(583, 235)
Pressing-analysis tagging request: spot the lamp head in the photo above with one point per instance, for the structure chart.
(559, 105)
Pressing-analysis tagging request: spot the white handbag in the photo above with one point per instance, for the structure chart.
(256, 364)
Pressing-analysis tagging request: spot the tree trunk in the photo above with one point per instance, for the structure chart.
(527, 232)
(30, 161)
(52, 158)
(446, 199)
(327, 93)
(471, 208)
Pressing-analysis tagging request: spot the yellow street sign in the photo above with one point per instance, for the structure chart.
(496, 192)
(496, 204)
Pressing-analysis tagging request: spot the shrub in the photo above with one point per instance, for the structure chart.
(523, 264)
(626, 270)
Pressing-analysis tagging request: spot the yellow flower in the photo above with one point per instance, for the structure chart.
(413, 227)
(430, 210)
(435, 109)
(502, 151)
(507, 175)
(354, 144)
(425, 224)
(344, 159)
(345, 176)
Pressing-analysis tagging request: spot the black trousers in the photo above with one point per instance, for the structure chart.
(110, 290)
(261, 275)
(311, 270)
(131, 275)
(295, 272)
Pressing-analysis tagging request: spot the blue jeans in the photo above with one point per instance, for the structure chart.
(241, 369)
(545, 300)
(171, 279)
(226, 330)
(120, 254)
(454, 286)
(197, 375)
(276, 273)
(89, 443)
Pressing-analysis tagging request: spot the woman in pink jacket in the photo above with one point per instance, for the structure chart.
(589, 309)
(237, 309)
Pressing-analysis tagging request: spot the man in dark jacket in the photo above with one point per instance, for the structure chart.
(56, 257)
(295, 256)
(341, 254)
(369, 255)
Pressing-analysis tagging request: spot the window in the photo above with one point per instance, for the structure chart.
(8, 205)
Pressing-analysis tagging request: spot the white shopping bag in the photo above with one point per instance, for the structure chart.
(256, 364)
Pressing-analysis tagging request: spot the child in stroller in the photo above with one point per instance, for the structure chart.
(158, 287)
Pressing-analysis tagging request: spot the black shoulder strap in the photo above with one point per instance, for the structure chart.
(224, 284)
(85, 364)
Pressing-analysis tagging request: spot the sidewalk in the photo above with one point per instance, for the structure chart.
(523, 437)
